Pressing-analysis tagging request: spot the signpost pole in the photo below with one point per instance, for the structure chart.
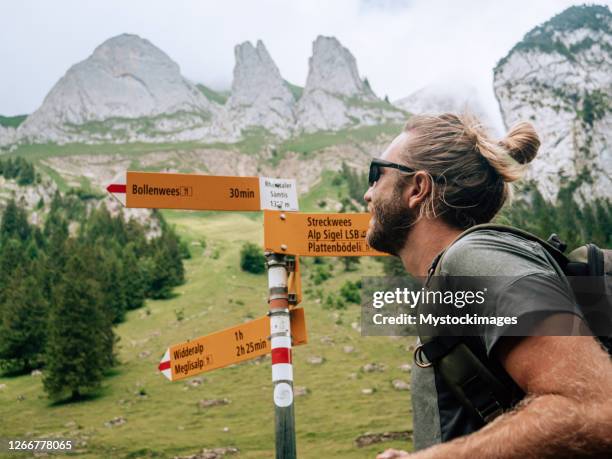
(282, 368)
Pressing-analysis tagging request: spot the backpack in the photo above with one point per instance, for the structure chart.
(473, 383)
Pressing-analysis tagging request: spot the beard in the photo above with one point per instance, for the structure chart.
(391, 225)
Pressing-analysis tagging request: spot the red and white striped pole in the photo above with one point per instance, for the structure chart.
(282, 368)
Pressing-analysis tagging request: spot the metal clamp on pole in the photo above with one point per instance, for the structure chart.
(294, 283)
(282, 367)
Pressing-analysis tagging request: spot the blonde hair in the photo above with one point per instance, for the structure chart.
(470, 172)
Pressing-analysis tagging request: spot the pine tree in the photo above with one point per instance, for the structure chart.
(80, 337)
(136, 235)
(99, 225)
(12, 255)
(23, 323)
(134, 279)
(27, 175)
(14, 222)
(55, 236)
(170, 252)
(160, 287)
(112, 282)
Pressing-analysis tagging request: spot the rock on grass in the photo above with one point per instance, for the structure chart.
(370, 438)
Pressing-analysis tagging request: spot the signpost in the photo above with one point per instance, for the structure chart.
(275, 333)
(317, 235)
(226, 347)
(155, 190)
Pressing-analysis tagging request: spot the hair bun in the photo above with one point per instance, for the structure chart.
(521, 142)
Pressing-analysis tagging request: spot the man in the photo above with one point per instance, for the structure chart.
(443, 174)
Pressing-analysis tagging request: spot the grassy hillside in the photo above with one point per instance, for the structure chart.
(163, 418)
(307, 143)
(216, 96)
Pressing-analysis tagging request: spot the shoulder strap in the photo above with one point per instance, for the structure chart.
(555, 253)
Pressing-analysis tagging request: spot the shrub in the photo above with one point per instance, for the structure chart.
(334, 302)
(320, 274)
(252, 259)
(350, 292)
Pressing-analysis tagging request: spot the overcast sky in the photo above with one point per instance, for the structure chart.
(400, 45)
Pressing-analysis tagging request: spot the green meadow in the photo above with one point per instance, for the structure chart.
(163, 419)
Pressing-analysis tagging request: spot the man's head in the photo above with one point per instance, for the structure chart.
(461, 176)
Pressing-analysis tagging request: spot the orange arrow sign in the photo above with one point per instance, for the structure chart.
(155, 190)
(232, 345)
(317, 235)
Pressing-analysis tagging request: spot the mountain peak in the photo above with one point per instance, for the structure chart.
(333, 68)
(260, 96)
(123, 40)
(561, 33)
(126, 77)
(335, 96)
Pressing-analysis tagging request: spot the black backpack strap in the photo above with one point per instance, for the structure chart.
(470, 381)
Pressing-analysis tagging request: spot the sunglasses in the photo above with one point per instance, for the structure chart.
(377, 164)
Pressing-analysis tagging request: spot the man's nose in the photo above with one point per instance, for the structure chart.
(368, 195)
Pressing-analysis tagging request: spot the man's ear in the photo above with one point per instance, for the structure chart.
(418, 190)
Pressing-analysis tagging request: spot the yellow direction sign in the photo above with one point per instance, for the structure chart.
(317, 235)
(232, 345)
(155, 190)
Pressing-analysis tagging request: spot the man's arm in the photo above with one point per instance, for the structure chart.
(567, 411)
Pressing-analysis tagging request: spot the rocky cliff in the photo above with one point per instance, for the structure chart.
(559, 77)
(335, 96)
(8, 136)
(260, 97)
(127, 90)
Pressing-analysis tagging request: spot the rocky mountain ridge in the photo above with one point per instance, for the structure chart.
(559, 77)
(128, 90)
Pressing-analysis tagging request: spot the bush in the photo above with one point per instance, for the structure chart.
(333, 302)
(350, 263)
(184, 250)
(320, 274)
(252, 259)
(392, 266)
(350, 292)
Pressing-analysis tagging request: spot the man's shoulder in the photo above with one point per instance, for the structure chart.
(491, 252)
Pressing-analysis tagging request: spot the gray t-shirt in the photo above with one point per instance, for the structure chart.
(531, 289)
